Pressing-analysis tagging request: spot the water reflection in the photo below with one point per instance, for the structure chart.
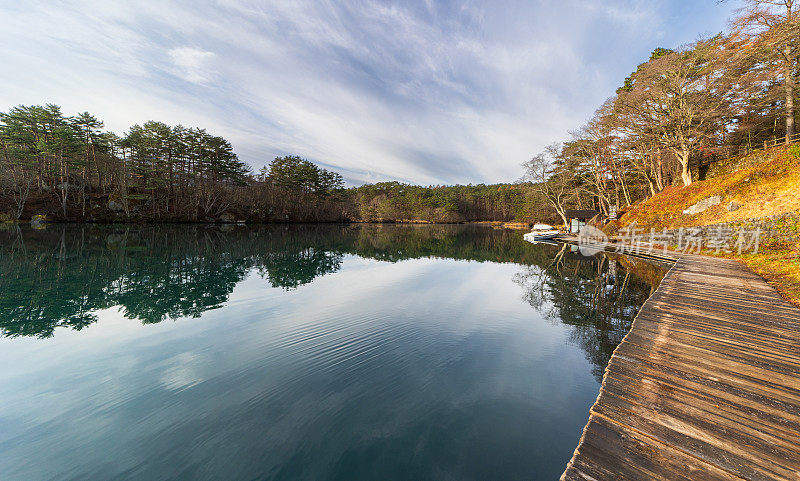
(596, 296)
(60, 276)
(311, 352)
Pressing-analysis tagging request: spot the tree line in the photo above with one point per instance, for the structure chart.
(69, 169)
(679, 111)
(69, 160)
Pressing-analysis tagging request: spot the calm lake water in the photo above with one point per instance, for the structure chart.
(301, 352)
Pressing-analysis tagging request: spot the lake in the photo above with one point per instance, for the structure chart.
(302, 352)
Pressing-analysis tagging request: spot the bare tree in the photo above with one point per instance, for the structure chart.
(551, 180)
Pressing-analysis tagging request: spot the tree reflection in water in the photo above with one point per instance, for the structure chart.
(60, 276)
(598, 296)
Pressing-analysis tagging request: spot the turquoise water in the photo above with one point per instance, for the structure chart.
(301, 352)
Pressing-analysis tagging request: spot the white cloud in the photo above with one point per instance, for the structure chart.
(193, 65)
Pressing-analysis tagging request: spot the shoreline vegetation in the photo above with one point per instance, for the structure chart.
(68, 169)
(699, 135)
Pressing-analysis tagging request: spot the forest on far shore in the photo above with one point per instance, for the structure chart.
(69, 169)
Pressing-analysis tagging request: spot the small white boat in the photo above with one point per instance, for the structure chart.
(541, 232)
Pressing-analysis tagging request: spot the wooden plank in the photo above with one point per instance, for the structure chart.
(705, 386)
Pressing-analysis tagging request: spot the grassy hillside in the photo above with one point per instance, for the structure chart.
(769, 188)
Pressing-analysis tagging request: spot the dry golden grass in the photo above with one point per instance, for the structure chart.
(769, 188)
(781, 268)
(766, 189)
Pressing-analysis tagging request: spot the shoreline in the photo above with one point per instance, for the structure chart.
(496, 224)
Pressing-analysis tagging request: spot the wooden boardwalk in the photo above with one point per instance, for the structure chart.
(705, 386)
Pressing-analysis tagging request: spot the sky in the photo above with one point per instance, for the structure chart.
(421, 91)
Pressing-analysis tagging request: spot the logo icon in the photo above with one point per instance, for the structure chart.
(591, 240)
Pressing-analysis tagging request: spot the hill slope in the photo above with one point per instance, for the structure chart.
(767, 193)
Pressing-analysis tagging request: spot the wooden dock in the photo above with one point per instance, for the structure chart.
(705, 386)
